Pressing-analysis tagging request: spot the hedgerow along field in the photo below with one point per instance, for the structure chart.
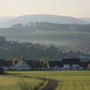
(67, 80)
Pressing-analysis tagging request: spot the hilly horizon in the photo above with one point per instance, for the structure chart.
(86, 19)
(26, 19)
(73, 35)
(47, 29)
(5, 18)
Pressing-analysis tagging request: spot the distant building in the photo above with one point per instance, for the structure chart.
(22, 65)
(5, 65)
(71, 63)
(55, 65)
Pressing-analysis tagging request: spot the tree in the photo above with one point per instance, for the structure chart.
(1, 71)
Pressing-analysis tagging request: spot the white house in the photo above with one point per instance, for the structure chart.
(75, 67)
(22, 65)
(66, 67)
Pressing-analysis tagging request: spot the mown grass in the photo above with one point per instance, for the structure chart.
(68, 80)
(17, 83)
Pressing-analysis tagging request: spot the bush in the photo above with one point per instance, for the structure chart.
(1, 71)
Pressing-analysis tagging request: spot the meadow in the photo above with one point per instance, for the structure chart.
(67, 80)
(9, 82)
(56, 37)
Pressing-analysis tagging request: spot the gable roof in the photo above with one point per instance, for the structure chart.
(37, 63)
(71, 60)
(55, 63)
(31, 63)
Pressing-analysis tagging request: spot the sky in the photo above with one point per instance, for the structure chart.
(74, 8)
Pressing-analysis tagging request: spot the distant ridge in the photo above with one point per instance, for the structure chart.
(87, 19)
(5, 18)
(25, 19)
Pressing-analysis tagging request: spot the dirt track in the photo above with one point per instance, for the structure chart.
(51, 85)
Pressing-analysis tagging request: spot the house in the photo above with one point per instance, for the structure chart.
(75, 67)
(66, 67)
(5, 65)
(21, 65)
(71, 63)
(55, 65)
(83, 64)
(40, 65)
(88, 66)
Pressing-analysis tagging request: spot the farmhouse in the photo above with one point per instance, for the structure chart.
(88, 66)
(30, 65)
(55, 65)
(71, 63)
(5, 65)
(22, 65)
(40, 65)
(64, 64)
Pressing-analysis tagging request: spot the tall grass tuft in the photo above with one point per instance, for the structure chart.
(24, 85)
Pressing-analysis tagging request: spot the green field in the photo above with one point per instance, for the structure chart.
(68, 80)
(56, 37)
(17, 83)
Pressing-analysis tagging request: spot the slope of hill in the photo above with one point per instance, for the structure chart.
(5, 18)
(49, 33)
(86, 19)
(42, 18)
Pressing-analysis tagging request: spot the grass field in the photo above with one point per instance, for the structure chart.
(17, 83)
(68, 80)
(56, 37)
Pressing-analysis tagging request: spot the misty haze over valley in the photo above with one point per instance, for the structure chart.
(47, 29)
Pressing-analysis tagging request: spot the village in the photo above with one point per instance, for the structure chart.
(54, 58)
(18, 64)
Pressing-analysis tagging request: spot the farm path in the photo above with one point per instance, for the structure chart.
(51, 85)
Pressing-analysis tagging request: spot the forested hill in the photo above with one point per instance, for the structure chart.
(50, 27)
(73, 35)
(31, 51)
(26, 19)
(48, 30)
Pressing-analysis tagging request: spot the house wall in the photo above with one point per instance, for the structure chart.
(56, 68)
(22, 65)
(75, 66)
(88, 65)
(5, 68)
(66, 67)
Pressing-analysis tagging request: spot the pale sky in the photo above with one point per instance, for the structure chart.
(75, 8)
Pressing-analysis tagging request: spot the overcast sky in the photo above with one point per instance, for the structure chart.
(75, 8)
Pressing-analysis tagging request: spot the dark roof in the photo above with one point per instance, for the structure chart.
(5, 63)
(89, 62)
(55, 63)
(31, 63)
(84, 64)
(36, 63)
(71, 60)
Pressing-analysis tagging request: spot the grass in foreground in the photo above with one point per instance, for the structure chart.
(68, 80)
(17, 83)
